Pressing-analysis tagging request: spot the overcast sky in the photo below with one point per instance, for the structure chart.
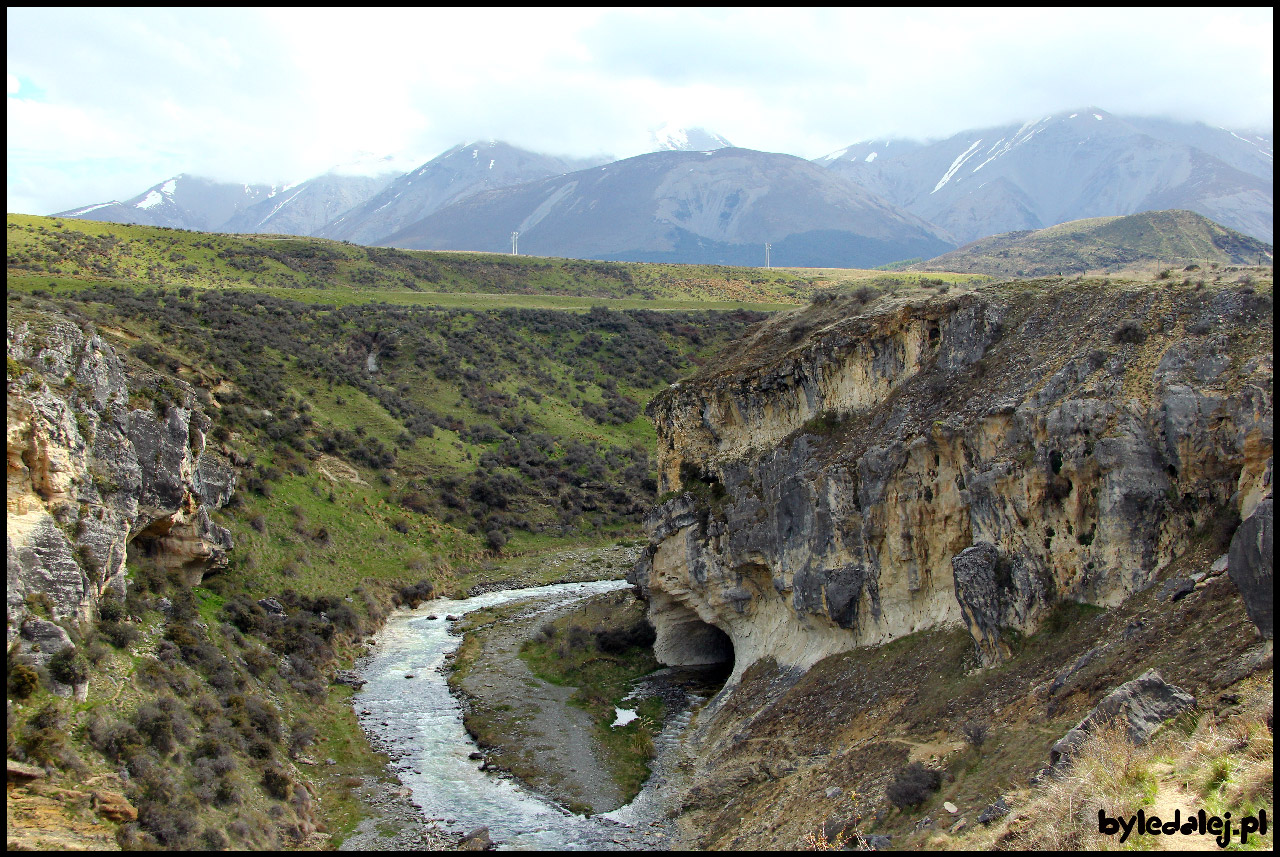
(103, 103)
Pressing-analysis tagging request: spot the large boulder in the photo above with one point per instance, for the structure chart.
(1249, 563)
(994, 592)
(1140, 705)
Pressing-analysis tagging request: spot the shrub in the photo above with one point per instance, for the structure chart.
(616, 641)
(23, 681)
(213, 839)
(301, 736)
(264, 719)
(110, 608)
(164, 722)
(975, 732)
(43, 738)
(416, 593)
(1129, 331)
(116, 740)
(913, 785)
(496, 539)
(277, 783)
(69, 666)
(122, 635)
(578, 637)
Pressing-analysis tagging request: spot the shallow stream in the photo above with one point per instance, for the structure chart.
(418, 722)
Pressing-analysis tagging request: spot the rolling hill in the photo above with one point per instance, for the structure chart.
(1102, 244)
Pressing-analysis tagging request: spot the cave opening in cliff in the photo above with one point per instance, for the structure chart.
(708, 658)
(715, 647)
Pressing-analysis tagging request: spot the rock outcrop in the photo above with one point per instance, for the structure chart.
(855, 473)
(104, 462)
(1250, 564)
(1139, 707)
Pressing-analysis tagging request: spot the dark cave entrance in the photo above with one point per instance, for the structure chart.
(715, 645)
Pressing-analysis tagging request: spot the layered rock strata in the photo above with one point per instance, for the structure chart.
(103, 461)
(857, 472)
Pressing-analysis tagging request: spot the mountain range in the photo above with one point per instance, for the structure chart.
(720, 206)
(1068, 166)
(696, 198)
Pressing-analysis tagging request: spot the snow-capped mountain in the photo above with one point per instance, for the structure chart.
(1067, 166)
(303, 208)
(670, 138)
(719, 206)
(182, 202)
(458, 173)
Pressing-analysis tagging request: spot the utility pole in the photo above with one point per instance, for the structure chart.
(767, 245)
(514, 236)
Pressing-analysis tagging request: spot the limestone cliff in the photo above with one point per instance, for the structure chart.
(103, 461)
(857, 472)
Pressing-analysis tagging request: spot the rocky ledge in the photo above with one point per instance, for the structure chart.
(856, 472)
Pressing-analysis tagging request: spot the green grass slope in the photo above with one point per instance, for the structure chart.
(385, 452)
(345, 272)
(1161, 239)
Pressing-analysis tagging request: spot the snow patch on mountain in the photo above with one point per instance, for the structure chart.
(80, 211)
(670, 138)
(955, 165)
(278, 207)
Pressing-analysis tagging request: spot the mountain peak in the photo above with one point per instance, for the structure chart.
(670, 138)
(371, 165)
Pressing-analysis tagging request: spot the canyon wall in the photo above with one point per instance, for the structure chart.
(853, 472)
(104, 461)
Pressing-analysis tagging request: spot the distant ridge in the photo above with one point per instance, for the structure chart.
(181, 202)
(464, 170)
(713, 207)
(1103, 244)
(1066, 166)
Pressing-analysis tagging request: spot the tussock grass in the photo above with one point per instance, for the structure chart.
(1213, 762)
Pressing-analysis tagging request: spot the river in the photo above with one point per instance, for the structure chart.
(419, 723)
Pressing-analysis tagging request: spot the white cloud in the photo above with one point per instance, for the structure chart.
(277, 95)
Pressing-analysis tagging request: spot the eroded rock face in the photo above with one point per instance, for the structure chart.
(98, 467)
(853, 474)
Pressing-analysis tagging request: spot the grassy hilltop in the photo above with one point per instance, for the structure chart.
(1155, 240)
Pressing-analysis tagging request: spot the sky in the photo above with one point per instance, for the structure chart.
(104, 103)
